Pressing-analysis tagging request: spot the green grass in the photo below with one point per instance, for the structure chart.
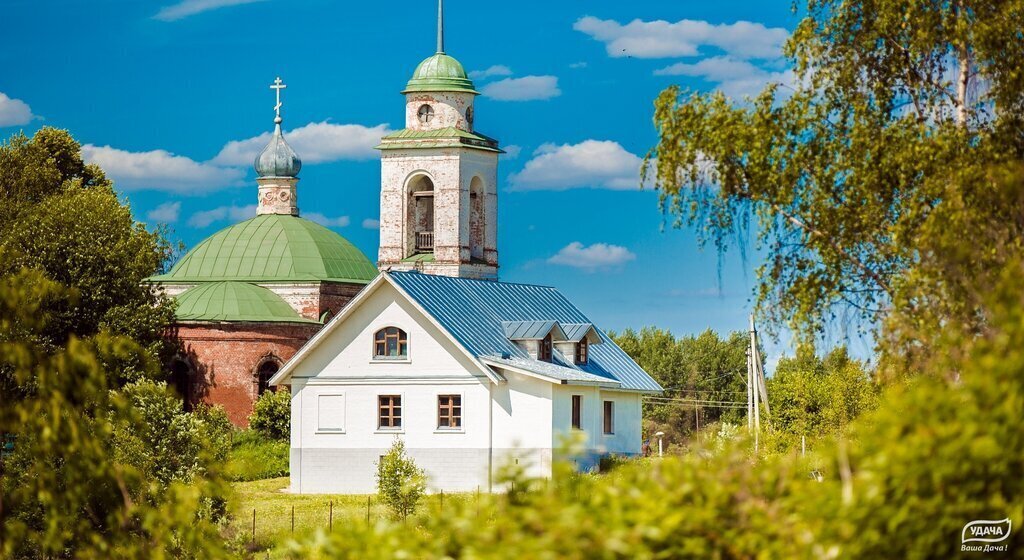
(255, 458)
(274, 505)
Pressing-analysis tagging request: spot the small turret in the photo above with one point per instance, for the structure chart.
(277, 168)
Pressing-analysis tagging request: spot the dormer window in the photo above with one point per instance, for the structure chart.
(390, 343)
(582, 349)
(544, 350)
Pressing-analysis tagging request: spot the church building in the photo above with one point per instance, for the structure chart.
(252, 294)
(470, 372)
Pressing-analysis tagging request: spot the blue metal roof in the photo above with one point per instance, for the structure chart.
(528, 330)
(576, 331)
(474, 312)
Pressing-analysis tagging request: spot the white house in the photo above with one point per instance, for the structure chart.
(469, 373)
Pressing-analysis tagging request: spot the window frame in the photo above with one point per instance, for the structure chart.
(582, 352)
(402, 339)
(545, 348)
(392, 416)
(576, 414)
(608, 418)
(451, 414)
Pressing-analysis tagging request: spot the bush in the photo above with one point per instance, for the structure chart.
(272, 415)
(254, 457)
(400, 483)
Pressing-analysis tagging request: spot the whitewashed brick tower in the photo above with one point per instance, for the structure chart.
(438, 200)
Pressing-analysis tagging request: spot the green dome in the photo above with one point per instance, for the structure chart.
(235, 301)
(273, 248)
(440, 73)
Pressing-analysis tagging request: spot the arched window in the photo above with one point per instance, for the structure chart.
(390, 343)
(264, 372)
(420, 217)
(477, 219)
(181, 381)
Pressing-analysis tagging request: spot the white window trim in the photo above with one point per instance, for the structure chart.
(344, 419)
(376, 412)
(462, 398)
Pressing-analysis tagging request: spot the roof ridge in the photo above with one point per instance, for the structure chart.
(463, 279)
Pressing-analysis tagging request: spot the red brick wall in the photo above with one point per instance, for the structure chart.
(224, 357)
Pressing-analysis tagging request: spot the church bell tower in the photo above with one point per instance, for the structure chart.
(438, 200)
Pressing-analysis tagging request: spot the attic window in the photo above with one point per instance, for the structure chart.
(425, 114)
(390, 343)
(544, 351)
(582, 350)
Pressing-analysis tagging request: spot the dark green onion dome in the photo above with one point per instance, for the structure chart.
(277, 159)
(235, 301)
(273, 248)
(440, 72)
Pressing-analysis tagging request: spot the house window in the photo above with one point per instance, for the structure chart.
(609, 417)
(449, 411)
(389, 412)
(544, 352)
(390, 343)
(577, 409)
(582, 349)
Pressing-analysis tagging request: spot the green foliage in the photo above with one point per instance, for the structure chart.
(400, 483)
(64, 492)
(817, 397)
(165, 443)
(271, 416)
(254, 457)
(705, 367)
(63, 218)
(861, 182)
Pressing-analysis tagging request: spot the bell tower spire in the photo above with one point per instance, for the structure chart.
(440, 26)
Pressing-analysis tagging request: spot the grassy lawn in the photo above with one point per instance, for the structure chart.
(274, 505)
(254, 458)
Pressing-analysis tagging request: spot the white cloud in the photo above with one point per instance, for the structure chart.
(592, 257)
(496, 70)
(233, 213)
(159, 170)
(513, 151)
(371, 223)
(187, 8)
(591, 163)
(527, 88)
(340, 221)
(166, 213)
(315, 143)
(14, 112)
(736, 78)
(663, 39)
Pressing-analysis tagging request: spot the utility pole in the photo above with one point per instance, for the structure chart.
(750, 394)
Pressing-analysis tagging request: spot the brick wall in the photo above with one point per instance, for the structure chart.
(224, 358)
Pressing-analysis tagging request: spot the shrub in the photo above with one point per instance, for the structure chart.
(254, 457)
(400, 483)
(271, 417)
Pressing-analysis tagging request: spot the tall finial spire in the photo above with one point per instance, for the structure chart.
(440, 26)
(278, 85)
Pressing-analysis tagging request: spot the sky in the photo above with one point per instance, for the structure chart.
(172, 99)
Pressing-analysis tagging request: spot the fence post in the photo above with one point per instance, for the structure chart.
(367, 510)
(330, 516)
(293, 519)
(442, 501)
(253, 526)
(478, 501)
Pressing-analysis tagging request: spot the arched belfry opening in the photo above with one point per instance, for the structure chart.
(264, 372)
(420, 219)
(477, 219)
(181, 381)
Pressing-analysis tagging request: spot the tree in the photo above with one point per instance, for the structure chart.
(902, 131)
(63, 217)
(64, 492)
(400, 483)
(272, 415)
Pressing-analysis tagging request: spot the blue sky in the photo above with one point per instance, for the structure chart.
(170, 96)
